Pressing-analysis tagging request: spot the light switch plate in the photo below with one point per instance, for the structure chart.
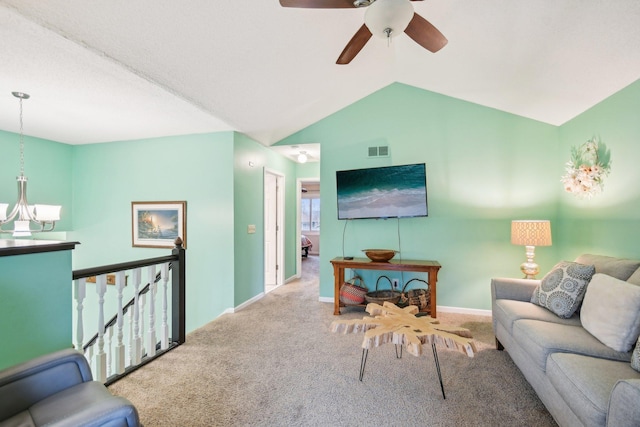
(251, 229)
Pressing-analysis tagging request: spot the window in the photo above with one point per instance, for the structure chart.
(310, 214)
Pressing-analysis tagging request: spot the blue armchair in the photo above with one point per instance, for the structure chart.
(58, 390)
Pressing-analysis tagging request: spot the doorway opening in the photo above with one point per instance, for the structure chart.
(308, 226)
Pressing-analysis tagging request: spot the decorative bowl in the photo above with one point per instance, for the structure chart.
(379, 255)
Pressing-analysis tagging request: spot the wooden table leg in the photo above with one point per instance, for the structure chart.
(338, 275)
(433, 280)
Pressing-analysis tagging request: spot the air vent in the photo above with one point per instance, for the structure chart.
(381, 151)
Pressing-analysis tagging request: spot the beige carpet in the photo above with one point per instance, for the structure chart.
(276, 363)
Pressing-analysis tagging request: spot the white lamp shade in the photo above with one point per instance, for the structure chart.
(393, 14)
(531, 233)
(3, 211)
(21, 229)
(47, 212)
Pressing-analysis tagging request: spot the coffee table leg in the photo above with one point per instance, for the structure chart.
(398, 355)
(363, 362)
(435, 357)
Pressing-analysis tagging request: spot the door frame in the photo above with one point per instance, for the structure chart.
(280, 210)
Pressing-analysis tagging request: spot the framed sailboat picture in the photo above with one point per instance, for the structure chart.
(158, 224)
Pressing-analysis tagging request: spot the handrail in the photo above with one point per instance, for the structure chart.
(105, 269)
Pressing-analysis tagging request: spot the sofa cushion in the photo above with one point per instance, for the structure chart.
(635, 278)
(540, 339)
(635, 357)
(585, 383)
(507, 311)
(611, 311)
(616, 267)
(21, 419)
(562, 289)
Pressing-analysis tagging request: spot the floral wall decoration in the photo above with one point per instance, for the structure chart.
(585, 172)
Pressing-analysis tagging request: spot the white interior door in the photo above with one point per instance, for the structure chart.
(273, 229)
(270, 229)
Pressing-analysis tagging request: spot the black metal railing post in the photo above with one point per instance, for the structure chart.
(178, 293)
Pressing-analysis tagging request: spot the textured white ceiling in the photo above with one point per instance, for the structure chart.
(120, 69)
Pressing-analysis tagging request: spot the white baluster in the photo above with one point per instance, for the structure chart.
(101, 359)
(109, 333)
(119, 357)
(151, 335)
(89, 354)
(131, 338)
(79, 292)
(136, 341)
(143, 302)
(165, 326)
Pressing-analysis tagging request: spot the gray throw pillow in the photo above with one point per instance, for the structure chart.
(562, 289)
(611, 312)
(635, 358)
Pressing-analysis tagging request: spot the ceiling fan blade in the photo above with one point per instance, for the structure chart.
(318, 4)
(425, 34)
(355, 45)
(325, 4)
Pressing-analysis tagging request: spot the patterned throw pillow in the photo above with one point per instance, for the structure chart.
(635, 358)
(562, 289)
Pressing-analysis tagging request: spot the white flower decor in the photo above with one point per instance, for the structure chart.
(586, 170)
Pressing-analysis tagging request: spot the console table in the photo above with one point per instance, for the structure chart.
(421, 266)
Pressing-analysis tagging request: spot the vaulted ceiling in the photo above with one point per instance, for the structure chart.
(118, 70)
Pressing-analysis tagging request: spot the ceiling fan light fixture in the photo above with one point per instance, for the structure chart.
(388, 18)
(362, 3)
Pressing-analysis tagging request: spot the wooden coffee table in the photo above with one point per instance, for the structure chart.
(401, 327)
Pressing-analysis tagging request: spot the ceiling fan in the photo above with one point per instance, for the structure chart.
(384, 18)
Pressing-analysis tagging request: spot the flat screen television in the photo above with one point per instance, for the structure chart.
(383, 192)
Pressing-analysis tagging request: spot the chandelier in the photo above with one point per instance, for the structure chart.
(27, 218)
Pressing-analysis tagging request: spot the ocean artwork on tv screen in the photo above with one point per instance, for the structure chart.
(384, 192)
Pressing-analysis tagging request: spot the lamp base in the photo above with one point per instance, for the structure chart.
(529, 269)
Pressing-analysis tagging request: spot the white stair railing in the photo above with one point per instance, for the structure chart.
(129, 338)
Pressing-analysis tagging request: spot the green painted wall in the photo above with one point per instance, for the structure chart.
(250, 161)
(308, 170)
(196, 168)
(610, 222)
(47, 165)
(35, 308)
(484, 168)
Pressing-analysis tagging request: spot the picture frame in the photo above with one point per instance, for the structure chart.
(157, 224)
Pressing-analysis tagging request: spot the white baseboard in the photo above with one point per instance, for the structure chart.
(441, 308)
(292, 278)
(246, 304)
(461, 310)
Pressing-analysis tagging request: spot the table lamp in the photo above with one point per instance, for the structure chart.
(530, 233)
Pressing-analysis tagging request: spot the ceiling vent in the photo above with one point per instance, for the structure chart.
(381, 151)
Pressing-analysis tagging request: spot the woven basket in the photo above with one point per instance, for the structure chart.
(379, 297)
(421, 298)
(353, 291)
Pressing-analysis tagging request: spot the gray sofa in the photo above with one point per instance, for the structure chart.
(57, 390)
(579, 379)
